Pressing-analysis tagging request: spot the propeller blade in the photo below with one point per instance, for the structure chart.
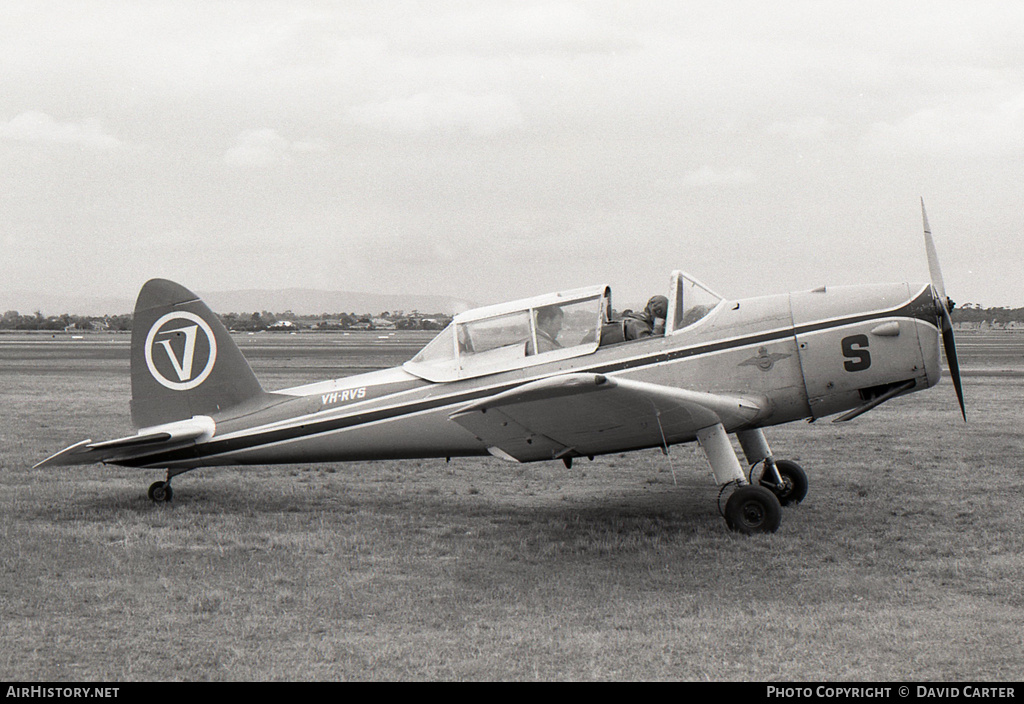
(933, 258)
(954, 366)
(943, 307)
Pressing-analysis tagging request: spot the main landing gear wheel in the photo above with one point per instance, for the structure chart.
(160, 491)
(794, 483)
(753, 509)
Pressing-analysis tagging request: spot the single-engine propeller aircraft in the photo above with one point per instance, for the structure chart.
(494, 382)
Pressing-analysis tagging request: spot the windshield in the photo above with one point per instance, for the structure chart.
(690, 301)
(439, 349)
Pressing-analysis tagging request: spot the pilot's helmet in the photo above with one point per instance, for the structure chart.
(658, 306)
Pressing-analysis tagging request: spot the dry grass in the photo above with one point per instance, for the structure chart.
(904, 563)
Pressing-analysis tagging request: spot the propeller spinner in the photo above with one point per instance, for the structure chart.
(943, 306)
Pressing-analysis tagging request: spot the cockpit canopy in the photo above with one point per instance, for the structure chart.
(513, 335)
(542, 329)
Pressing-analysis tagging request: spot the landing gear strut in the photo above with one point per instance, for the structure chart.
(793, 488)
(750, 509)
(784, 478)
(756, 505)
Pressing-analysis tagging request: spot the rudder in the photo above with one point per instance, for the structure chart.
(183, 361)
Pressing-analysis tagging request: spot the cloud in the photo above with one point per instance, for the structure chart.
(966, 129)
(526, 29)
(805, 128)
(265, 147)
(40, 127)
(486, 114)
(708, 177)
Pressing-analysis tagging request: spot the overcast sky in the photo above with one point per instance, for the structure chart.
(494, 150)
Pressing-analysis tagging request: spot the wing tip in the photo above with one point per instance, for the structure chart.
(53, 460)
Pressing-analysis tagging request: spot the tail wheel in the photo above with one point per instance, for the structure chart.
(753, 509)
(160, 491)
(794, 483)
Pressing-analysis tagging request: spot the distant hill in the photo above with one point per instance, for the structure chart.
(28, 302)
(298, 300)
(304, 301)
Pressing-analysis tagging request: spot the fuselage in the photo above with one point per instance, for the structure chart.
(808, 354)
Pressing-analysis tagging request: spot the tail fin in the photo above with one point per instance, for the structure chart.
(184, 362)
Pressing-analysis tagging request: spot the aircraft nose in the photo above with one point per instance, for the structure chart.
(942, 304)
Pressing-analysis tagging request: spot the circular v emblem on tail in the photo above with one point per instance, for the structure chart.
(178, 345)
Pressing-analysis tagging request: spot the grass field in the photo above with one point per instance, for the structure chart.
(905, 562)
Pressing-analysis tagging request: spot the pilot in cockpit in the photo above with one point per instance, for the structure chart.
(549, 324)
(650, 322)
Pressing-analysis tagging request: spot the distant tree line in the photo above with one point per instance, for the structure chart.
(975, 314)
(265, 320)
(237, 322)
(13, 320)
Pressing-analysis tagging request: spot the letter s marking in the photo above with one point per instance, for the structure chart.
(855, 349)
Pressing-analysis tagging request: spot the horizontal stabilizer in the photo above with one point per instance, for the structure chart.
(147, 441)
(131, 441)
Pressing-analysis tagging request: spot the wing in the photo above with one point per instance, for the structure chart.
(148, 441)
(591, 414)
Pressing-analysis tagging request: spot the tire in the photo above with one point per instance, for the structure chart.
(160, 491)
(753, 509)
(794, 481)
